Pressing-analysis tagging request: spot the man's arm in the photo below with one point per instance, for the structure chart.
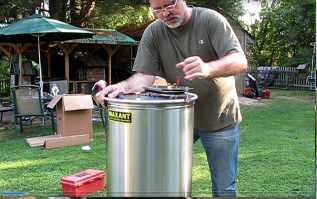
(135, 83)
(233, 63)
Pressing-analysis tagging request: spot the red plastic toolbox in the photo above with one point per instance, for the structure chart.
(83, 183)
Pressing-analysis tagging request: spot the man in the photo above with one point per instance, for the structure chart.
(199, 45)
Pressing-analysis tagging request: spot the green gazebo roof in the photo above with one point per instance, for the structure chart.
(111, 37)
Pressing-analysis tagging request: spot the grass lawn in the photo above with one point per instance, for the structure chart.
(276, 154)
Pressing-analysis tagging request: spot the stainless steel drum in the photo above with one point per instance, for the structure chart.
(149, 142)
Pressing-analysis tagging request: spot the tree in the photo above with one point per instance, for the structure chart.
(81, 11)
(118, 14)
(102, 13)
(57, 9)
(11, 10)
(75, 12)
(284, 34)
(232, 8)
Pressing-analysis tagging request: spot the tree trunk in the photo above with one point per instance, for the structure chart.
(75, 12)
(80, 12)
(272, 58)
(58, 9)
(36, 5)
(88, 8)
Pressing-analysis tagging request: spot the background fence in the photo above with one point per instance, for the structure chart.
(284, 77)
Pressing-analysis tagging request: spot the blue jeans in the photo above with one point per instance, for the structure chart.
(222, 153)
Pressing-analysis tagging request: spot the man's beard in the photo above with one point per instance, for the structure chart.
(178, 22)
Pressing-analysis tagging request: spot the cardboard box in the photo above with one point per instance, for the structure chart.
(59, 141)
(74, 125)
(39, 141)
(73, 113)
(83, 183)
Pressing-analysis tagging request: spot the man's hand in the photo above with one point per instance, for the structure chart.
(194, 67)
(100, 90)
(114, 90)
(133, 84)
(233, 63)
(111, 91)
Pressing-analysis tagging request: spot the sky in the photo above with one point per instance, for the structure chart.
(252, 8)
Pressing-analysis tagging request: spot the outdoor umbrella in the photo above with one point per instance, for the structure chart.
(36, 28)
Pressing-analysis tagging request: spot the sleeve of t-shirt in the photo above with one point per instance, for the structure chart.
(147, 59)
(221, 34)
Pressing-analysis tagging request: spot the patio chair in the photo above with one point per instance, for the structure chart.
(28, 105)
(4, 109)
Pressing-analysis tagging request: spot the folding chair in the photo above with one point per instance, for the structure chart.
(27, 105)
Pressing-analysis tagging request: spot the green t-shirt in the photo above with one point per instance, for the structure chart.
(209, 36)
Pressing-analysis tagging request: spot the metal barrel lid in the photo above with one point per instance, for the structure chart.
(171, 89)
(145, 98)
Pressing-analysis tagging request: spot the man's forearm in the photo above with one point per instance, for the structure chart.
(137, 82)
(232, 64)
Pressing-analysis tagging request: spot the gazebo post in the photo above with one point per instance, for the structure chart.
(110, 52)
(49, 63)
(67, 49)
(20, 67)
(19, 48)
